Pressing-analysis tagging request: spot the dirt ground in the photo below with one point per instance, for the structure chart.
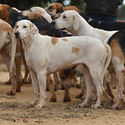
(14, 110)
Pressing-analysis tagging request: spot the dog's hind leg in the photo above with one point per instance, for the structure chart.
(52, 88)
(99, 87)
(83, 87)
(119, 70)
(89, 86)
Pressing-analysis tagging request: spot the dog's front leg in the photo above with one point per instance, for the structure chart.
(42, 85)
(35, 87)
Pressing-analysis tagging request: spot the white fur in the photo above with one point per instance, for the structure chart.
(42, 12)
(77, 25)
(43, 57)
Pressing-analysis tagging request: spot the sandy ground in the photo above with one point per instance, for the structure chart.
(14, 110)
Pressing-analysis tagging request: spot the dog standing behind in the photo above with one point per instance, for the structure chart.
(46, 55)
(7, 51)
(55, 9)
(40, 10)
(77, 25)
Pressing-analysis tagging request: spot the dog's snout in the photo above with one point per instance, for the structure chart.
(53, 22)
(16, 34)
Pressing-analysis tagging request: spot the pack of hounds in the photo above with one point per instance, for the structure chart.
(59, 45)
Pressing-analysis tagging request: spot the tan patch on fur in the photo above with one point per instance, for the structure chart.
(75, 50)
(60, 6)
(71, 8)
(64, 39)
(43, 32)
(5, 27)
(35, 15)
(56, 5)
(116, 50)
(54, 40)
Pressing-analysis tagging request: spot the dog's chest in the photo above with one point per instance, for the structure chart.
(36, 59)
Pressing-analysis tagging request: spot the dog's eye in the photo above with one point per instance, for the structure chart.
(64, 16)
(16, 27)
(30, 10)
(50, 8)
(24, 26)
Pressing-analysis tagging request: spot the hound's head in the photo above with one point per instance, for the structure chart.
(35, 15)
(55, 9)
(42, 11)
(24, 29)
(68, 20)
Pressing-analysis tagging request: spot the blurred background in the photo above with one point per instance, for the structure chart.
(26, 4)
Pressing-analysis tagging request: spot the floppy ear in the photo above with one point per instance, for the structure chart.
(33, 29)
(75, 22)
(59, 10)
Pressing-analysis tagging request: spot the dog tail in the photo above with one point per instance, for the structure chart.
(108, 59)
(13, 51)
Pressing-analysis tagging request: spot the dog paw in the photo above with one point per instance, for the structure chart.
(32, 104)
(52, 100)
(118, 105)
(115, 106)
(39, 106)
(66, 99)
(82, 105)
(95, 106)
(11, 93)
(79, 96)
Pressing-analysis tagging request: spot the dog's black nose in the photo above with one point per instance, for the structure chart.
(53, 23)
(17, 34)
(52, 17)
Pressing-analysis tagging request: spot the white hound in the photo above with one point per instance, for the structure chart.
(45, 55)
(77, 25)
(40, 10)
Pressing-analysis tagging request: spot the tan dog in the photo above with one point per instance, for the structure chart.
(5, 15)
(46, 55)
(55, 9)
(7, 44)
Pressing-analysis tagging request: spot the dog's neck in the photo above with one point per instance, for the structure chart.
(83, 28)
(87, 30)
(26, 43)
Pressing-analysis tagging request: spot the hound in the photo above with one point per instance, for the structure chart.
(40, 10)
(12, 15)
(46, 55)
(55, 9)
(6, 14)
(77, 25)
(7, 45)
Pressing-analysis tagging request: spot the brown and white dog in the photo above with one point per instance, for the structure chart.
(55, 9)
(40, 10)
(77, 25)
(46, 55)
